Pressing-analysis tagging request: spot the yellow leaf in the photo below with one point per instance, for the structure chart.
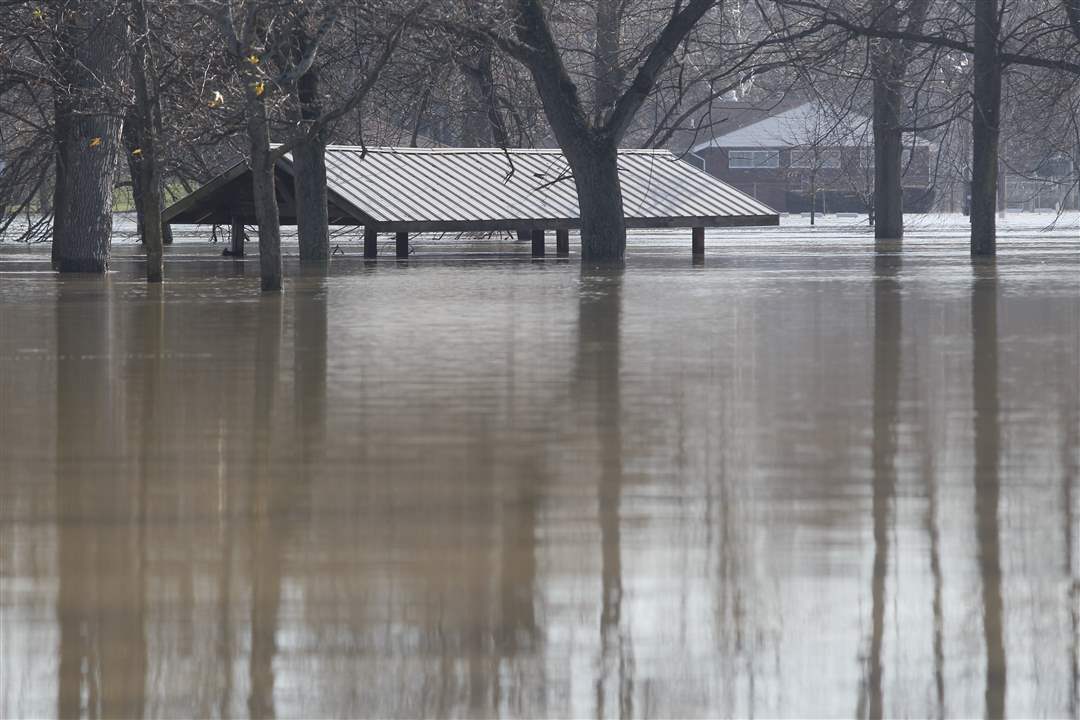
(260, 88)
(253, 59)
(137, 152)
(38, 14)
(94, 142)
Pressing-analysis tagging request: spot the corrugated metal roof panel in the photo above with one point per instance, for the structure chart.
(489, 184)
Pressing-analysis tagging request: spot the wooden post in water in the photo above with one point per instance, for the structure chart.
(698, 242)
(403, 244)
(237, 238)
(371, 241)
(538, 243)
(562, 242)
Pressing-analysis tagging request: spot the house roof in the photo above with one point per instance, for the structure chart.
(464, 189)
(810, 123)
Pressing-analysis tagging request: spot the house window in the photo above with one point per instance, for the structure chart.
(905, 157)
(810, 158)
(754, 159)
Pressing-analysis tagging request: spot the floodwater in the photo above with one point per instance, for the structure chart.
(802, 479)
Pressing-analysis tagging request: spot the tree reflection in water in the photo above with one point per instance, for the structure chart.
(101, 595)
(886, 390)
(597, 378)
(984, 338)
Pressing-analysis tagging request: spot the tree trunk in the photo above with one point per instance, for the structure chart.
(309, 168)
(888, 167)
(607, 70)
(148, 198)
(596, 177)
(265, 196)
(132, 137)
(61, 138)
(889, 66)
(985, 130)
(88, 132)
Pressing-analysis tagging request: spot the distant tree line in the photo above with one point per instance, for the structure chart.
(180, 89)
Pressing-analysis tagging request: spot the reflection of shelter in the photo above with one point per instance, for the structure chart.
(409, 190)
(785, 157)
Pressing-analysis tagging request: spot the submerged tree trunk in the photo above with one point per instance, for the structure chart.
(887, 69)
(132, 141)
(309, 178)
(132, 137)
(265, 195)
(61, 138)
(596, 176)
(985, 129)
(888, 167)
(88, 136)
(890, 59)
(146, 177)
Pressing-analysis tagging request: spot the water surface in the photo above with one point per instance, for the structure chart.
(807, 478)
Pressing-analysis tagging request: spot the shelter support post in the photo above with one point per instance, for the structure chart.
(538, 243)
(371, 241)
(562, 242)
(698, 241)
(403, 244)
(236, 238)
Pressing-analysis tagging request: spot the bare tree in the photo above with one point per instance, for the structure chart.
(590, 140)
(985, 128)
(145, 160)
(90, 61)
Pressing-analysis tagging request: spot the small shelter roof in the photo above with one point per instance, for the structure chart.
(477, 189)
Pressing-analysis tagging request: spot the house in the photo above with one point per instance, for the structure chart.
(812, 151)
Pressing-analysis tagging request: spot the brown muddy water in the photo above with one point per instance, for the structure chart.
(803, 479)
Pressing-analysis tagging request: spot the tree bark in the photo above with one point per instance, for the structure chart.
(596, 176)
(132, 137)
(888, 166)
(61, 136)
(309, 179)
(265, 196)
(889, 60)
(88, 134)
(607, 70)
(985, 129)
(148, 198)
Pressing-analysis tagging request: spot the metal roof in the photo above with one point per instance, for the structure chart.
(424, 189)
(811, 123)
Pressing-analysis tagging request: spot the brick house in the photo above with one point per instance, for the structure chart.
(789, 156)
